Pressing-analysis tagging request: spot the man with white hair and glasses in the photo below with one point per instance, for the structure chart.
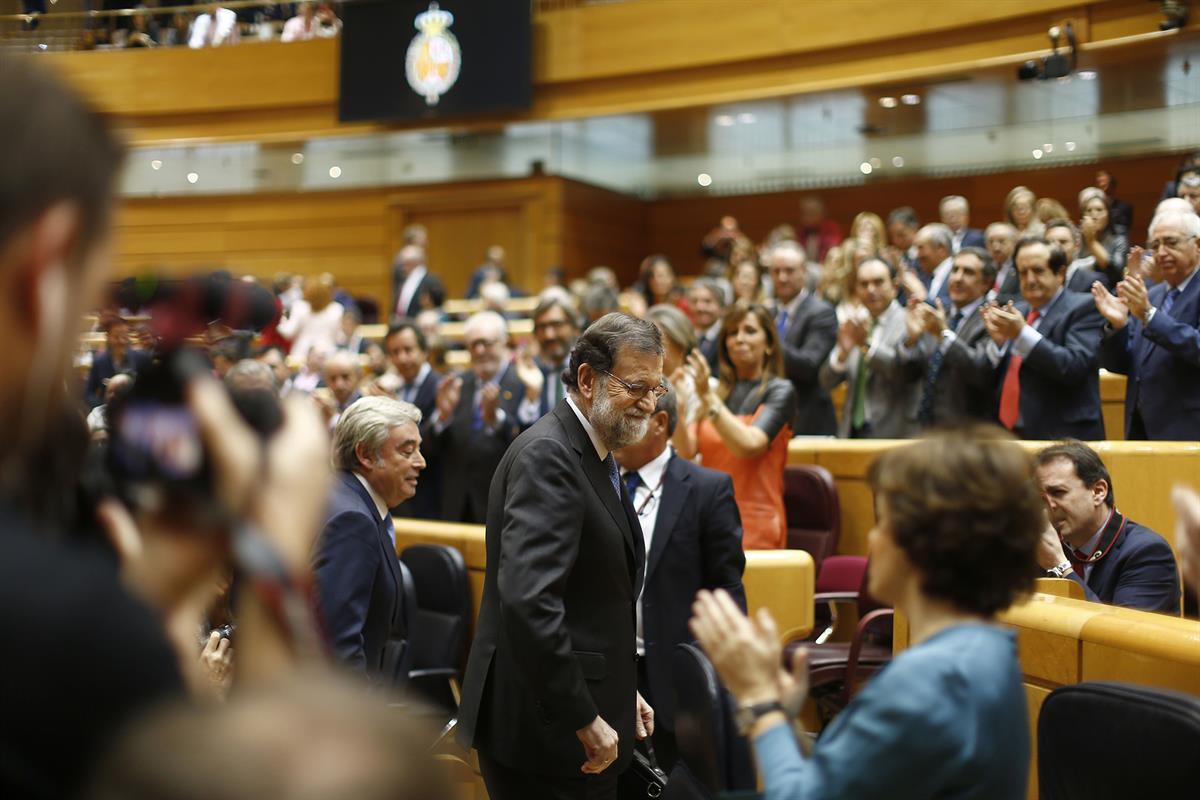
(1153, 335)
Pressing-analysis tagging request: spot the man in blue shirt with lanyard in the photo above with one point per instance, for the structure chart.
(1090, 542)
(693, 536)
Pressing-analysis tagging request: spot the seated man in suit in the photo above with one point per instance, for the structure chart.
(1153, 335)
(1063, 234)
(1001, 241)
(958, 374)
(956, 215)
(414, 287)
(377, 452)
(1114, 559)
(1046, 350)
(807, 328)
(693, 535)
(556, 326)
(884, 387)
(475, 419)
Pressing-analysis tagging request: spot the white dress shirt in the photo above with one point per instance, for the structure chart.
(381, 507)
(409, 289)
(646, 500)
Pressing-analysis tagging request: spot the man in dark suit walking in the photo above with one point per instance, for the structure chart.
(807, 328)
(693, 536)
(414, 287)
(959, 376)
(377, 451)
(1114, 559)
(1045, 349)
(1153, 336)
(475, 419)
(550, 697)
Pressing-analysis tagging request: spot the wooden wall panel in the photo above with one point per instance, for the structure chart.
(677, 225)
(601, 227)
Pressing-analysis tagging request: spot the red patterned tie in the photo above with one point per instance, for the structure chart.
(1010, 394)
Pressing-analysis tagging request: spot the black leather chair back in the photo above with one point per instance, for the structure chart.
(814, 516)
(714, 755)
(1102, 740)
(442, 606)
(398, 652)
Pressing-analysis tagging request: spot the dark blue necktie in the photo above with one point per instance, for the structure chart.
(632, 482)
(390, 527)
(925, 409)
(1169, 302)
(781, 322)
(614, 474)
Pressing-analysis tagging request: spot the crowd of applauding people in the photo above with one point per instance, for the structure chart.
(623, 460)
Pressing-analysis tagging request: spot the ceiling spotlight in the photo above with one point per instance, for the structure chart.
(297, 158)
(887, 102)
(724, 120)
(1037, 152)
(1048, 147)
(1087, 74)
(156, 165)
(910, 99)
(897, 161)
(1070, 147)
(875, 163)
(335, 171)
(865, 168)
(746, 118)
(192, 177)
(704, 179)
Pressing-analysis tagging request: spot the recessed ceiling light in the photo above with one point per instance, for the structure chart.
(897, 161)
(1048, 147)
(746, 118)
(1087, 74)
(1037, 152)
(335, 171)
(704, 179)
(875, 163)
(865, 168)
(887, 102)
(192, 177)
(297, 158)
(156, 165)
(910, 99)
(1070, 147)
(724, 120)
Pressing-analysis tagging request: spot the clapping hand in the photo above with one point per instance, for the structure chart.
(1187, 533)
(489, 403)
(1004, 323)
(1133, 292)
(1112, 308)
(912, 284)
(530, 374)
(449, 392)
(745, 652)
(914, 321)
(852, 333)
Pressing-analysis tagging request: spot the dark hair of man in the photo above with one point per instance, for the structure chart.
(964, 507)
(1058, 259)
(599, 345)
(985, 262)
(877, 259)
(405, 324)
(669, 405)
(905, 215)
(556, 299)
(1086, 461)
(56, 150)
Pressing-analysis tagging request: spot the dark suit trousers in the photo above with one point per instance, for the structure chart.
(666, 752)
(505, 783)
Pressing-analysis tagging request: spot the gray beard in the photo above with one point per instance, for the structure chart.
(616, 428)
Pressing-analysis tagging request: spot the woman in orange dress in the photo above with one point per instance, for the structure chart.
(745, 421)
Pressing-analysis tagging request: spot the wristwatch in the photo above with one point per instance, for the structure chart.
(746, 716)
(1061, 570)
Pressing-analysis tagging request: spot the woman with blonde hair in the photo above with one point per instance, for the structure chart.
(745, 421)
(869, 227)
(314, 322)
(1020, 211)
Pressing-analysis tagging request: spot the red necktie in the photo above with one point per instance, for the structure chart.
(1010, 394)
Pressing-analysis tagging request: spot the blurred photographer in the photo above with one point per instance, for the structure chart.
(88, 650)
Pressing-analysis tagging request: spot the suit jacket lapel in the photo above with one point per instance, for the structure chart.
(597, 473)
(794, 320)
(1156, 296)
(385, 543)
(675, 491)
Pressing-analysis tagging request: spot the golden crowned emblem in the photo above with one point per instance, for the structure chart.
(433, 58)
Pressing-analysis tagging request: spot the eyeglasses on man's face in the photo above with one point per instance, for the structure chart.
(1169, 242)
(637, 391)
